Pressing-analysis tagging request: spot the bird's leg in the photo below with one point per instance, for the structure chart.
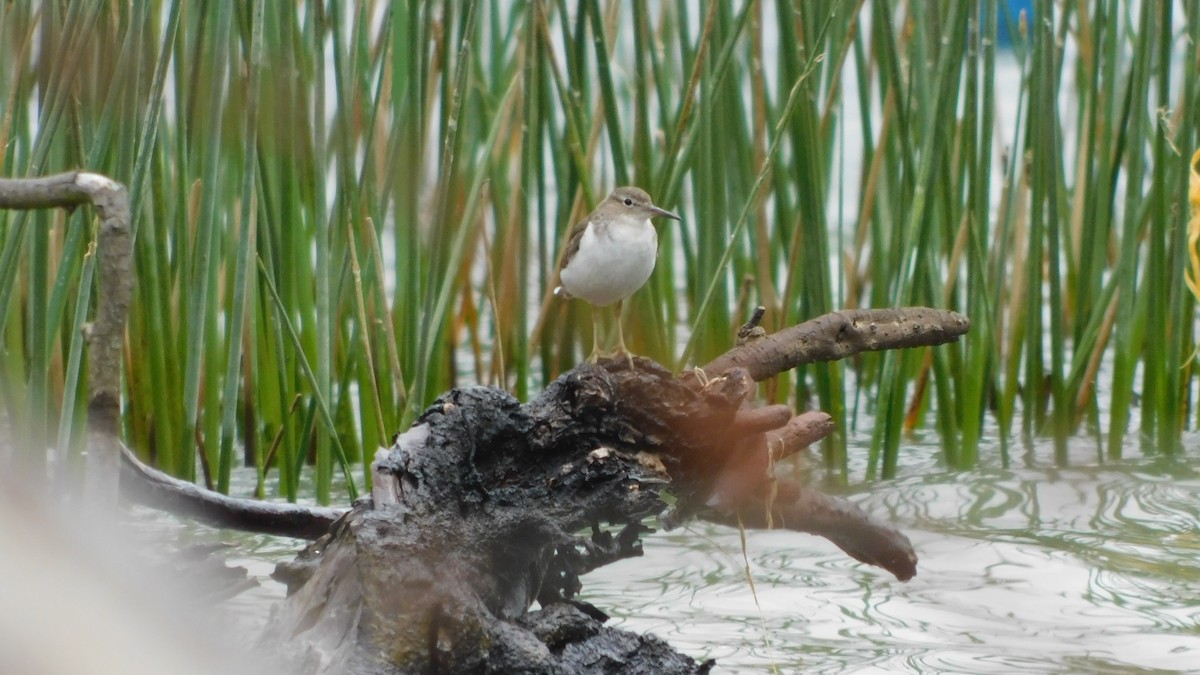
(621, 336)
(595, 355)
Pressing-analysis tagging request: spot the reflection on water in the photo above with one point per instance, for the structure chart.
(1043, 569)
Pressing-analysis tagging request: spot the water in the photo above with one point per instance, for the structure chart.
(1083, 570)
(1091, 568)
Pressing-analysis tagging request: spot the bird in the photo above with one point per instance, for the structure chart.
(610, 255)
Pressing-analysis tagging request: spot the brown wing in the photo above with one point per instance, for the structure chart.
(572, 244)
(568, 253)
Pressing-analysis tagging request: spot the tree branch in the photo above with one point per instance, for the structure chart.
(837, 335)
(149, 486)
(114, 245)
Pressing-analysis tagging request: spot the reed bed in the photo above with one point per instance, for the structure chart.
(344, 209)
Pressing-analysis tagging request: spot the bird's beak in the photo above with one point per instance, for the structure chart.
(664, 213)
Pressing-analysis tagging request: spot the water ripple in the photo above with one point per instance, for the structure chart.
(1092, 569)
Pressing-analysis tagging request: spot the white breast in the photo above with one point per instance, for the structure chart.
(613, 261)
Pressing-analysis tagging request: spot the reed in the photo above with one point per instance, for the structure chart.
(345, 209)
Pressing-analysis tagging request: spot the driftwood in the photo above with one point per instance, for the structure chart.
(477, 510)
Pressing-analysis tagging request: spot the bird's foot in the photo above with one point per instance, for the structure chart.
(621, 351)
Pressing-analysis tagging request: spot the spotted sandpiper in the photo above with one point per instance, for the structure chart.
(609, 255)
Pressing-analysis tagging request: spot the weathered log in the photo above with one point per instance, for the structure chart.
(477, 510)
(476, 514)
(488, 496)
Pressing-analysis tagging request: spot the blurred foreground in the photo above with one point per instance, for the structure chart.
(80, 597)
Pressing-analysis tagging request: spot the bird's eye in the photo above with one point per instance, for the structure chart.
(628, 201)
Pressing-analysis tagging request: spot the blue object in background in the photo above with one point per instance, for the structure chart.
(1009, 12)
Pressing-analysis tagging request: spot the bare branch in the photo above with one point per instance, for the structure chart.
(106, 334)
(801, 431)
(837, 335)
(156, 489)
(861, 535)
